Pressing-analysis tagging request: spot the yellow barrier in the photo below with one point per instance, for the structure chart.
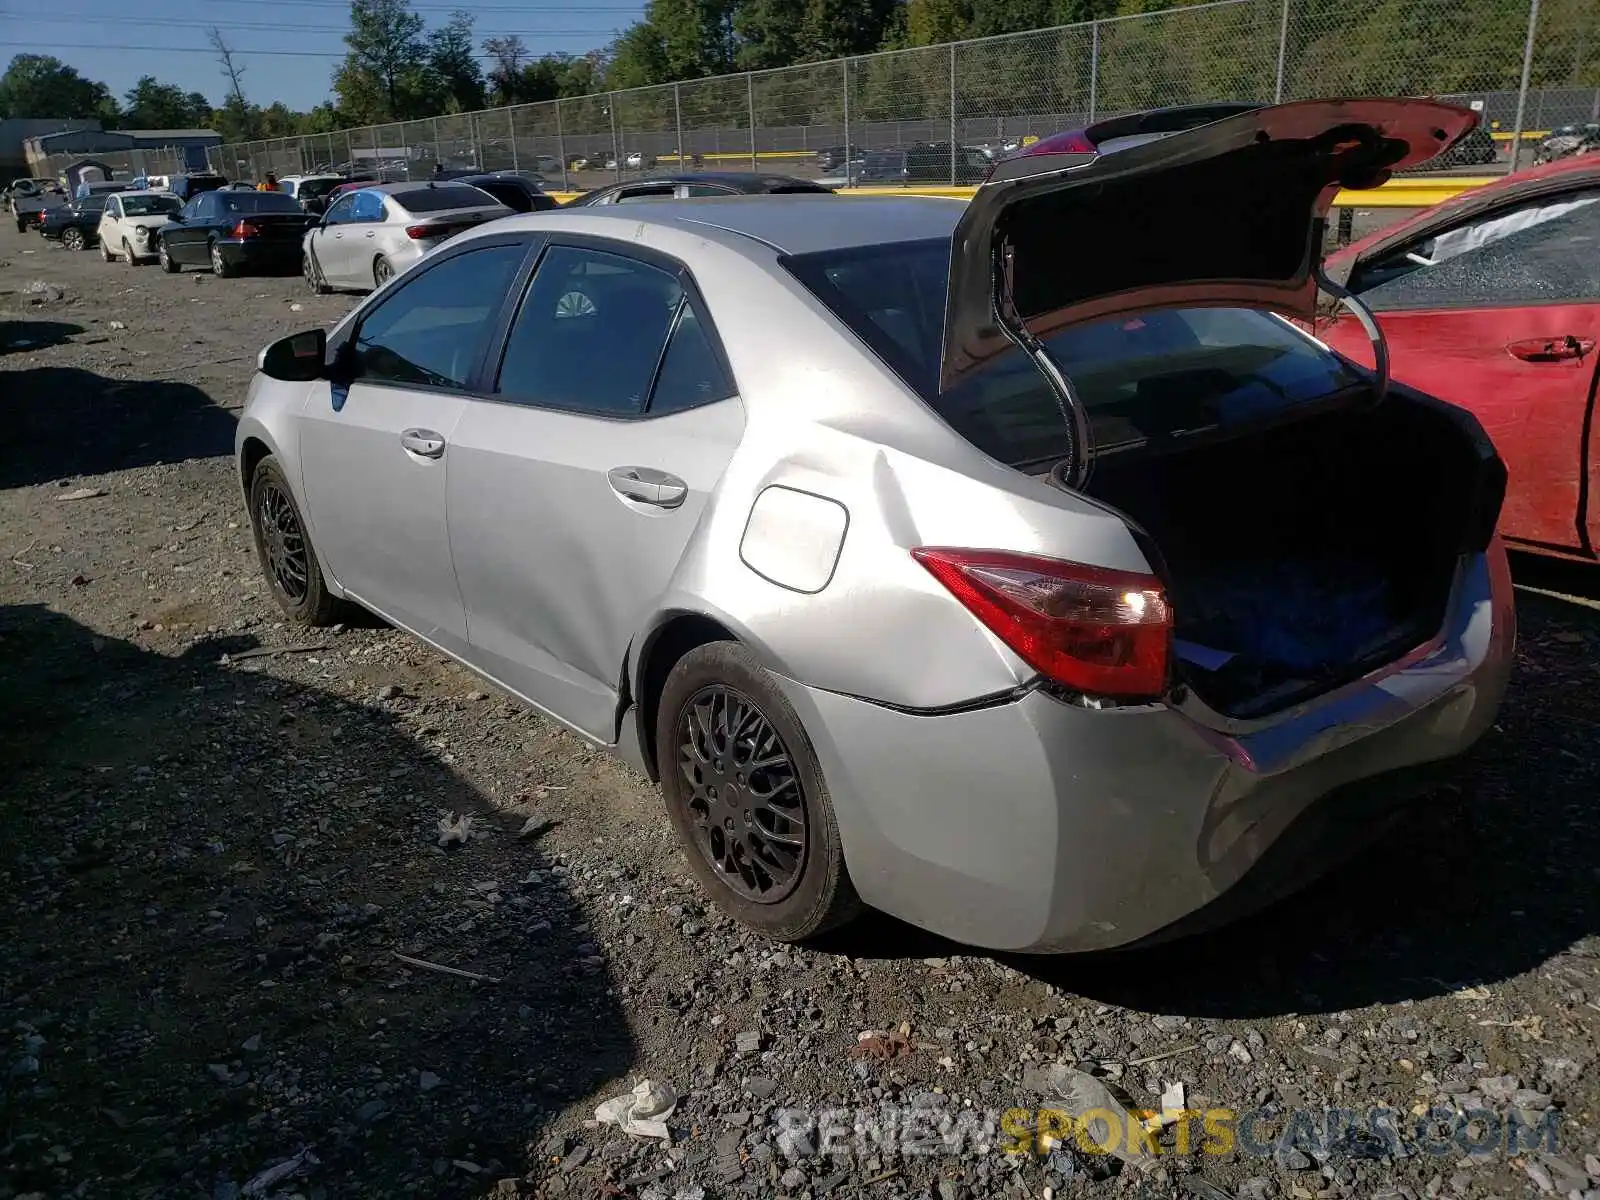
(1406, 192)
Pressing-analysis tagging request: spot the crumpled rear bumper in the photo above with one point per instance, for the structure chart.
(1034, 824)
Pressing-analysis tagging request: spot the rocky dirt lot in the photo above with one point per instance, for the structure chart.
(218, 836)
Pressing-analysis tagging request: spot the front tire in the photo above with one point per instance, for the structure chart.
(105, 253)
(168, 264)
(745, 793)
(220, 266)
(127, 254)
(313, 274)
(284, 550)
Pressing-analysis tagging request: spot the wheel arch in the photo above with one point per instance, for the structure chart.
(662, 649)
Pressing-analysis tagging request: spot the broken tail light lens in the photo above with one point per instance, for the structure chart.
(1091, 629)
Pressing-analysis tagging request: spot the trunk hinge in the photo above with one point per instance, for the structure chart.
(1349, 301)
(1072, 471)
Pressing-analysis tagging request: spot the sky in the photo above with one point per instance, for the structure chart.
(288, 48)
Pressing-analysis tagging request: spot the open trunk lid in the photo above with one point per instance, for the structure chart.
(1225, 215)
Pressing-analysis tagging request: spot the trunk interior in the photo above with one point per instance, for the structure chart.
(1300, 557)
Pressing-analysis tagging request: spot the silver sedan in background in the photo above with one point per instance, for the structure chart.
(1049, 591)
(369, 236)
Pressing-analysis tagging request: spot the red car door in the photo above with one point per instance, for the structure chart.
(1501, 315)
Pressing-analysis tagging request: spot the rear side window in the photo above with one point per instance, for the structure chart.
(443, 198)
(1143, 380)
(255, 202)
(590, 333)
(430, 332)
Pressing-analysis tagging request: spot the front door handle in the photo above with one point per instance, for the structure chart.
(425, 442)
(648, 486)
(1555, 349)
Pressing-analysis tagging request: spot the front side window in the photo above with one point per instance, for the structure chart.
(635, 195)
(430, 331)
(113, 208)
(1544, 251)
(590, 333)
(1144, 379)
(339, 211)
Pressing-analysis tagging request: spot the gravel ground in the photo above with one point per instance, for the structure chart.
(213, 858)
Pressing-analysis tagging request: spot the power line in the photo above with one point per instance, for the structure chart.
(635, 10)
(80, 48)
(283, 27)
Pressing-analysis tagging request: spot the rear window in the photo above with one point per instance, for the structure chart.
(443, 198)
(149, 204)
(257, 202)
(314, 188)
(1144, 380)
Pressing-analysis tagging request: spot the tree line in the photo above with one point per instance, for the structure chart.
(396, 68)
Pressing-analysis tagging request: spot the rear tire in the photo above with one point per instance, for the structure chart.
(382, 272)
(789, 890)
(168, 264)
(283, 548)
(221, 267)
(73, 240)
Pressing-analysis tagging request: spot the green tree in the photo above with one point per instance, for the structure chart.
(930, 22)
(837, 28)
(387, 57)
(40, 85)
(151, 104)
(768, 32)
(451, 58)
(509, 55)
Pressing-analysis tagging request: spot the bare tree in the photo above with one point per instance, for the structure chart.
(231, 69)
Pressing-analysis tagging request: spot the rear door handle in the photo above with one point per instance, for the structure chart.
(1556, 349)
(648, 486)
(425, 442)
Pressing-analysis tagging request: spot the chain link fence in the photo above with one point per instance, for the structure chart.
(937, 115)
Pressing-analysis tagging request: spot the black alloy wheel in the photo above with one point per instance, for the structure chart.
(745, 796)
(283, 542)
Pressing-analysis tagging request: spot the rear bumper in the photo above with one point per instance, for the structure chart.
(1037, 825)
(238, 253)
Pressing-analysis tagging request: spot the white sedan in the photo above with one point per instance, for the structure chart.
(128, 225)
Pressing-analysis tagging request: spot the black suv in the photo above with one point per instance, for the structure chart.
(187, 187)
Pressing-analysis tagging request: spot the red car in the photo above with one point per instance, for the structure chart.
(1492, 302)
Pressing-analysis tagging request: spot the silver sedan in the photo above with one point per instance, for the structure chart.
(369, 236)
(1051, 592)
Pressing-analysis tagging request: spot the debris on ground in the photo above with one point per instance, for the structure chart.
(643, 1112)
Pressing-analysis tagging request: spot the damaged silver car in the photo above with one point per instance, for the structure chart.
(1016, 567)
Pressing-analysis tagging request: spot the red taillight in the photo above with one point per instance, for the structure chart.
(1104, 632)
(246, 229)
(426, 231)
(1073, 141)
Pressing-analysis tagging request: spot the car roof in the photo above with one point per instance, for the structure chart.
(400, 187)
(805, 223)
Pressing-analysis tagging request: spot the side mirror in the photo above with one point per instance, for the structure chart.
(297, 358)
(176, 218)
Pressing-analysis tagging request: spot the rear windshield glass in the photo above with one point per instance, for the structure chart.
(257, 202)
(439, 199)
(1142, 379)
(149, 205)
(313, 188)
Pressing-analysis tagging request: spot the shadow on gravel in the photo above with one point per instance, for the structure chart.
(63, 422)
(1476, 888)
(19, 336)
(206, 873)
